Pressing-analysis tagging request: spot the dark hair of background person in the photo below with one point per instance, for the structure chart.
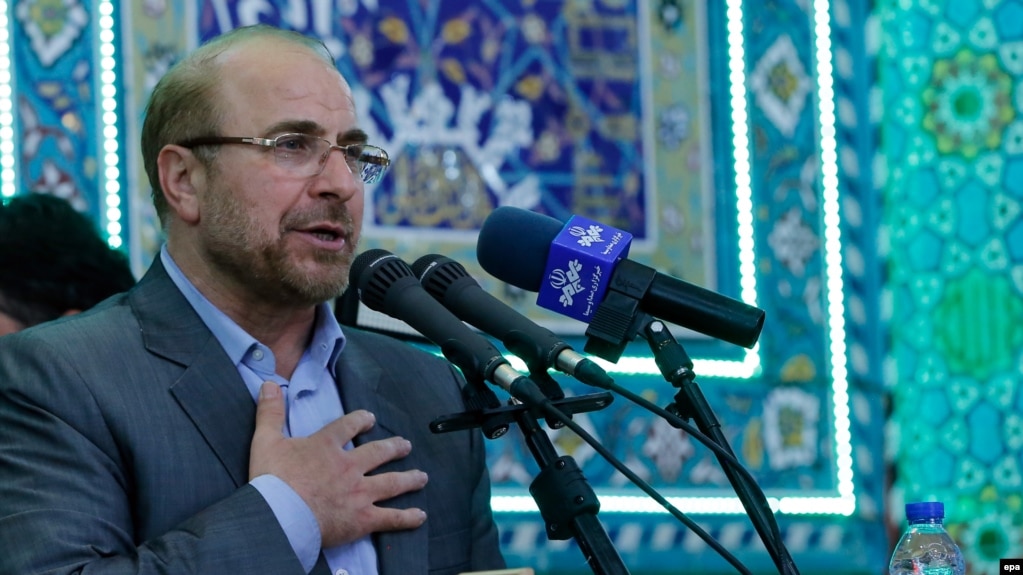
(53, 260)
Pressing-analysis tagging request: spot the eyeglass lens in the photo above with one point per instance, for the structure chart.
(308, 155)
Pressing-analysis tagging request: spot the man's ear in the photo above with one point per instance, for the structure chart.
(182, 175)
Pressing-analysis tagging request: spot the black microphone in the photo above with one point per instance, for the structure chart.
(449, 282)
(514, 246)
(385, 283)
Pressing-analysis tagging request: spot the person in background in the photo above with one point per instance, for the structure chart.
(215, 419)
(53, 262)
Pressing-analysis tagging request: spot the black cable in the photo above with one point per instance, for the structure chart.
(557, 414)
(775, 543)
(675, 420)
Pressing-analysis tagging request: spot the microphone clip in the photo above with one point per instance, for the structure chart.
(495, 421)
(619, 318)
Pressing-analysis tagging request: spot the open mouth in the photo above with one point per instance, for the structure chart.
(325, 235)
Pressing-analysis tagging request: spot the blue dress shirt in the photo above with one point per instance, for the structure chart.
(312, 400)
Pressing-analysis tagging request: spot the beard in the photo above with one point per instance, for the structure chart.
(237, 244)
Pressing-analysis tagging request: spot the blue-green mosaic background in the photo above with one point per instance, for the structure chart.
(929, 105)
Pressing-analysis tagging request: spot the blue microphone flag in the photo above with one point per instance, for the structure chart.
(579, 265)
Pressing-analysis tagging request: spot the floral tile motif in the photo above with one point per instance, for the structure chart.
(793, 241)
(968, 104)
(790, 427)
(989, 538)
(976, 325)
(56, 182)
(960, 171)
(52, 26)
(781, 85)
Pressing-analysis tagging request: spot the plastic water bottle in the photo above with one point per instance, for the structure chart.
(926, 548)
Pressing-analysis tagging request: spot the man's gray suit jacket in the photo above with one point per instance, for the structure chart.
(124, 448)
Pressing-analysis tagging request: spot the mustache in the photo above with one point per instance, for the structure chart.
(336, 214)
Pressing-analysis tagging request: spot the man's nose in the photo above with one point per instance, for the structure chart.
(343, 181)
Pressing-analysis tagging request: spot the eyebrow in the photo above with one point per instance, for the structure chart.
(353, 136)
(295, 126)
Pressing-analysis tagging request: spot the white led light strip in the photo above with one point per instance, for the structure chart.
(844, 503)
(8, 174)
(646, 366)
(688, 505)
(833, 255)
(749, 365)
(110, 175)
(741, 163)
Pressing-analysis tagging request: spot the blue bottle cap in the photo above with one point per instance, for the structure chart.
(925, 510)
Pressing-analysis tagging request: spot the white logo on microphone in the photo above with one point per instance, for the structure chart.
(588, 236)
(568, 282)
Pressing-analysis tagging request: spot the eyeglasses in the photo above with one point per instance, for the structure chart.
(306, 155)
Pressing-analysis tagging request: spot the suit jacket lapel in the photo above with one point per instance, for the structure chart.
(215, 398)
(363, 384)
(209, 389)
(226, 422)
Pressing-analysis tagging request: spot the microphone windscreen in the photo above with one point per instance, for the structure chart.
(422, 264)
(513, 246)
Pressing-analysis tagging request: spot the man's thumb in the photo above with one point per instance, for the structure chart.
(269, 428)
(270, 409)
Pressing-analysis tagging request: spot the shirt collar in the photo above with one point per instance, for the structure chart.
(326, 344)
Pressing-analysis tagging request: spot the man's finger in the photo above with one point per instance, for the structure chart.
(394, 483)
(269, 412)
(378, 452)
(386, 519)
(345, 429)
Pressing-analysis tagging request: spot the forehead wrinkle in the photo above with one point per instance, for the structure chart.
(248, 72)
(354, 135)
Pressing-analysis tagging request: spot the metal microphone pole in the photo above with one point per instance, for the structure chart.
(566, 501)
(677, 369)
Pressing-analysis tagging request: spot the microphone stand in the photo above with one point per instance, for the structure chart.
(618, 319)
(566, 501)
(690, 404)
